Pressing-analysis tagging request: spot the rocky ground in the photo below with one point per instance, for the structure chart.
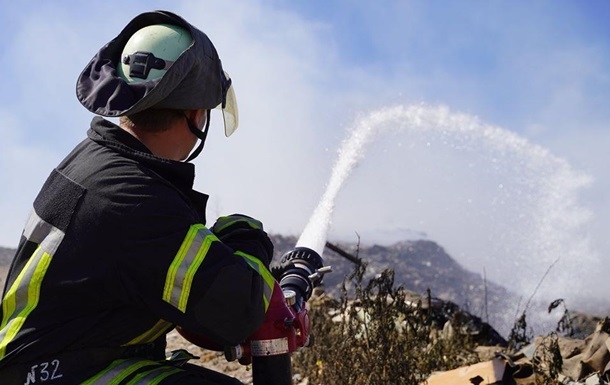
(582, 357)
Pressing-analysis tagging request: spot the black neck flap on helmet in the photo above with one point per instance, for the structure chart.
(195, 80)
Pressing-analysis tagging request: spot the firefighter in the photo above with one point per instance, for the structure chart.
(116, 252)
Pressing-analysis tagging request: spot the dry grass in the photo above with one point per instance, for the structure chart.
(378, 336)
(375, 335)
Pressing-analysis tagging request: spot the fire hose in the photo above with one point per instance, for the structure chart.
(287, 325)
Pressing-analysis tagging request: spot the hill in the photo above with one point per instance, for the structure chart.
(419, 266)
(6, 255)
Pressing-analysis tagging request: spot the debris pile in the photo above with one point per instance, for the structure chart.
(548, 360)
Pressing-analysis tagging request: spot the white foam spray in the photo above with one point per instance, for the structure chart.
(547, 187)
(349, 154)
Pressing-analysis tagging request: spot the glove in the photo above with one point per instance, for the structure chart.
(228, 223)
(246, 234)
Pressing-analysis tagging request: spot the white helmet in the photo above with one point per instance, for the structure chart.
(151, 51)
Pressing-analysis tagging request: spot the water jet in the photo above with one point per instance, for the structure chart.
(527, 219)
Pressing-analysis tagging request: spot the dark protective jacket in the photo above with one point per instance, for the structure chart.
(116, 253)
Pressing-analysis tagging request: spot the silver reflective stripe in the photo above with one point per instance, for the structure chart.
(40, 232)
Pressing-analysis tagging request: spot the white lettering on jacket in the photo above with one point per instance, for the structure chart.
(43, 372)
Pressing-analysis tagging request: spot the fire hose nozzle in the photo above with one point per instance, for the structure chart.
(300, 270)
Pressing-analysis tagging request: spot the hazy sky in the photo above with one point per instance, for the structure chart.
(490, 121)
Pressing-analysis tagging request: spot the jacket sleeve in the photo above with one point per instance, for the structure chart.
(182, 271)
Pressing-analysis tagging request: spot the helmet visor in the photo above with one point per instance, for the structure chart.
(230, 114)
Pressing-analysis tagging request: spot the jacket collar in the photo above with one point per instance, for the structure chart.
(179, 174)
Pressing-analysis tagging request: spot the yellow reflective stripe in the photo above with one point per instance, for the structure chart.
(180, 275)
(22, 297)
(260, 268)
(224, 222)
(154, 376)
(118, 371)
(152, 334)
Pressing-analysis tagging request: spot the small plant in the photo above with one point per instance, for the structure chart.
(564, 325)
(547, 361)
(519, 335)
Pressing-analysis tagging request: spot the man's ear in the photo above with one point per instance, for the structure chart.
(196, 116)
(192, 115)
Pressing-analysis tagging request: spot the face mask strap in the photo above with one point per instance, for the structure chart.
(201, 134)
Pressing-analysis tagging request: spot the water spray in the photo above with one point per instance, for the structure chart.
(533, 207)
(351, 151)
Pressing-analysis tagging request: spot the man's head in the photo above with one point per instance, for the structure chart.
(157, 62)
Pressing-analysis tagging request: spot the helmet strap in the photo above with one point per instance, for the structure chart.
(201, 134)
(140, 64)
